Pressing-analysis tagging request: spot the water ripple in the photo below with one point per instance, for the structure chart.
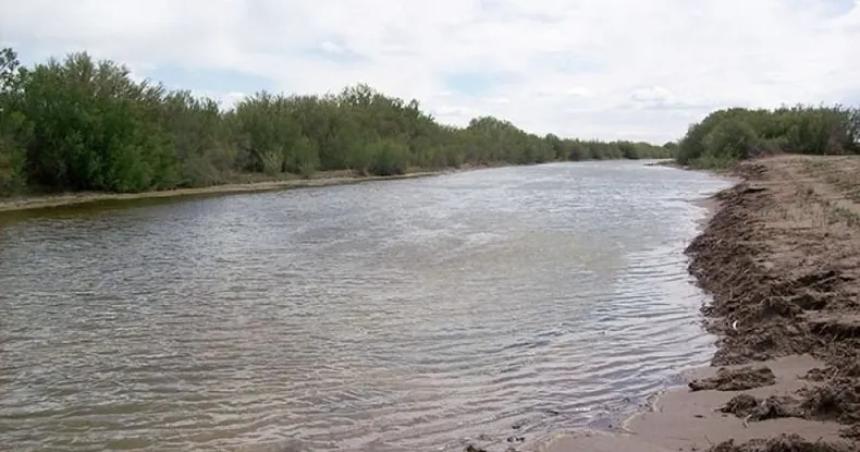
(403, 315)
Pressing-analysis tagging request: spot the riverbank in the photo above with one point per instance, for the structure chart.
(780, 257)
(325, 179)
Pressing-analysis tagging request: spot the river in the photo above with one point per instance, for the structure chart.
(495, 306)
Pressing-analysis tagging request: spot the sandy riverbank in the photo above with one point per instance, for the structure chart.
(781, 256)
(321, 180)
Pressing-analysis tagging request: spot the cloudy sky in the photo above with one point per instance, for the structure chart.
(631, 69)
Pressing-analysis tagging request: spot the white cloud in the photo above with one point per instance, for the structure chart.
(590, 68)
(229, 100)
(330, 47)
(579, 91)
(652, 94)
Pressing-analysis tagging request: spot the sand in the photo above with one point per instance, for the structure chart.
(781, 257)
(320, 180)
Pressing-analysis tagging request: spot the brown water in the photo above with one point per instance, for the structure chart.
(398, 315)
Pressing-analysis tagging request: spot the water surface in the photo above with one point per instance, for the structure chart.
(399, 315)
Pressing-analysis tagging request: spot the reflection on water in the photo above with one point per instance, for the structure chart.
(401, 315)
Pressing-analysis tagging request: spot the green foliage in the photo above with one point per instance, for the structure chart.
(303, 158)
(733, 139)
(8, 69)
(82, 124)
(628, 150)
(712, 161)
(14, 128)
(94, 128)
(199, 139)
(728, 135)
(389, 157)
(267, 132)
(671, 148)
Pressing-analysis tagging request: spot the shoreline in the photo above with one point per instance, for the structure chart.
(47, 201)
(322, 179)
(781, 307)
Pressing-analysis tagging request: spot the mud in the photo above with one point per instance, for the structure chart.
(784, 443)
(735, 379)
(782, 260)
(752, 409)
(838, 400)
(852, 432)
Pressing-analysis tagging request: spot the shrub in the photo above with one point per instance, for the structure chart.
(628, 150)
(732, 139)
(389, 157)
(14, 133)
(739, 133)
(80, 124)
(303, 158)
(94, 128)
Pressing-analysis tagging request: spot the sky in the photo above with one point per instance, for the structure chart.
(607, 69)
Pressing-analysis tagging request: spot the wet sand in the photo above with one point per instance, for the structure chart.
(781, 257)
(320, 180)
(682, 420)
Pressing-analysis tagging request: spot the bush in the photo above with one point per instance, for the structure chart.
(628, 150)
(82, 124)
(303, 158)
(360, 158)
(389, 157)
(740, 133)
(199, 171)
(14, 133)
(731, 139)
(94, 128)
(11, 168)
(200, 137)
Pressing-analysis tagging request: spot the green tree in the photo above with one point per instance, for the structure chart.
(739, 133)
(82, 124)
(628, 150)
(304, 157)
(14, 127)
(389, 157)
(94, 128)
(200, 139)
(268, 132)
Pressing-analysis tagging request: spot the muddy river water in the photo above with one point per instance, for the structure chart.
(499, 306)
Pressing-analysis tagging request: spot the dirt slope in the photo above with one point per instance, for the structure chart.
(782, 260)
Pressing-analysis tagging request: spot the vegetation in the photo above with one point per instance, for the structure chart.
(80, 124)
(729, 135)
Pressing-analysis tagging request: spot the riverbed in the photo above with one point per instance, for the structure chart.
(497, 306)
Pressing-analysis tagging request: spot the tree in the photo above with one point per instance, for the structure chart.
(389, 157)
(94, 128)
(15, 130)
(304, 157)
(80, 124)
(200, 137)
(8, 68)
(738, 133)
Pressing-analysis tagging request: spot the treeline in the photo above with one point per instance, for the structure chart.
(80, 124)
(728, 135)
